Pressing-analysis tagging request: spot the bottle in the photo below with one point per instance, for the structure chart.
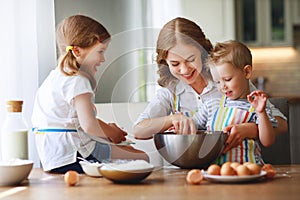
(14, 133)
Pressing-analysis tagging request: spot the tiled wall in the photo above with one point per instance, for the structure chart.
(280, 67)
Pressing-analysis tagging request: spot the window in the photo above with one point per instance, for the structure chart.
(264, 22)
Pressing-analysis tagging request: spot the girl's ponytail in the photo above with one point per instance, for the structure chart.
(68, 64)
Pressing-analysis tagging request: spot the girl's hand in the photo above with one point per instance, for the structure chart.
(258, 100)
(183, 124)
(115, 134)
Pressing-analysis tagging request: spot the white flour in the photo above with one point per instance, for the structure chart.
(128, 165)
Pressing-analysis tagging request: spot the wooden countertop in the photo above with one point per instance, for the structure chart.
(167, 183)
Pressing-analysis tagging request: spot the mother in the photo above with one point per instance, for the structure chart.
(182, 48)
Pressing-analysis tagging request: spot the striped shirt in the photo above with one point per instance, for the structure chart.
(208, 107)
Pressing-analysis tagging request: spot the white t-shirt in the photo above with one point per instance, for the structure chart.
(53, 108)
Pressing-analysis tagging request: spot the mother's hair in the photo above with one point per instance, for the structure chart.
(180, 30)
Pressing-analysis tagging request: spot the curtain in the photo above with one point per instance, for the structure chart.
(21, 68)
(18, 53)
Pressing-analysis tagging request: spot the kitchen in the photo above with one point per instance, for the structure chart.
(269, 55)
(276, 63)
(279, 66)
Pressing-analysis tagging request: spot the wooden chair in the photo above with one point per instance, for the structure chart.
(280, 152)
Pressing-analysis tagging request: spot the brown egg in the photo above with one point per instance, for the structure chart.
(194, 177)
(214, 169)
(234, 165)
(269, 169)
(243, 170)
(254, 168)
(226, 164)
(247, 163)
(71, 178)
(227, 170)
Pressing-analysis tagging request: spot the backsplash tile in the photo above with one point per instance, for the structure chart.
(282, 74)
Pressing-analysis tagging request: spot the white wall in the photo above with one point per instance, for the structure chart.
(134, 26)
(46, 38)
(119, 75)
(215, 17)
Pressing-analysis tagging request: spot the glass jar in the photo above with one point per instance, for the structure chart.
(14, 133)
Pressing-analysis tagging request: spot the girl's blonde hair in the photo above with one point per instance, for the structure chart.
(179, 30)
(81, 31)
(232, 52)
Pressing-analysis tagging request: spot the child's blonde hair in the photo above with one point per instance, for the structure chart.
(233, 52)
(81, 31)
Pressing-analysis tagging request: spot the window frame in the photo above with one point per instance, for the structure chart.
(263, 24)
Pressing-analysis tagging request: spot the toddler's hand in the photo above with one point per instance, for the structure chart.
(235, 137)
(117, 135)
(258, 100)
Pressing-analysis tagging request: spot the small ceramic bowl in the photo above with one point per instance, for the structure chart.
(14, 172)
(90, 169)
(126, 171)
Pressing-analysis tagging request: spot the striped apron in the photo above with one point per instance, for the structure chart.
(177, 107)
(248, 150)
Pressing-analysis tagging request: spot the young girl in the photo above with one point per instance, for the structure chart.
(231, 68)
(64, 114)
(182, 49)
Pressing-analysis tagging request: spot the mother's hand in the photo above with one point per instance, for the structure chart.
(183, 124)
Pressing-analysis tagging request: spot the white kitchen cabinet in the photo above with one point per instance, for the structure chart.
(215, 17)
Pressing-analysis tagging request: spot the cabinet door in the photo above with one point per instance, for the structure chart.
(296, 11)
(264, 22)
(294, 128)
(215, 17)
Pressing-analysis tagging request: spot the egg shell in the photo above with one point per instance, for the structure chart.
(194, 177)
(247, 163)
(243, 170)
(226, 164)
(227, 170)
(270, 173)
(214, 169)
(234, 165)
(254, 168)
(270, 170)
(267, 166)
(71, 178)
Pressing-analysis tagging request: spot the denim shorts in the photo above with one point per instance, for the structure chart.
(101, 152)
